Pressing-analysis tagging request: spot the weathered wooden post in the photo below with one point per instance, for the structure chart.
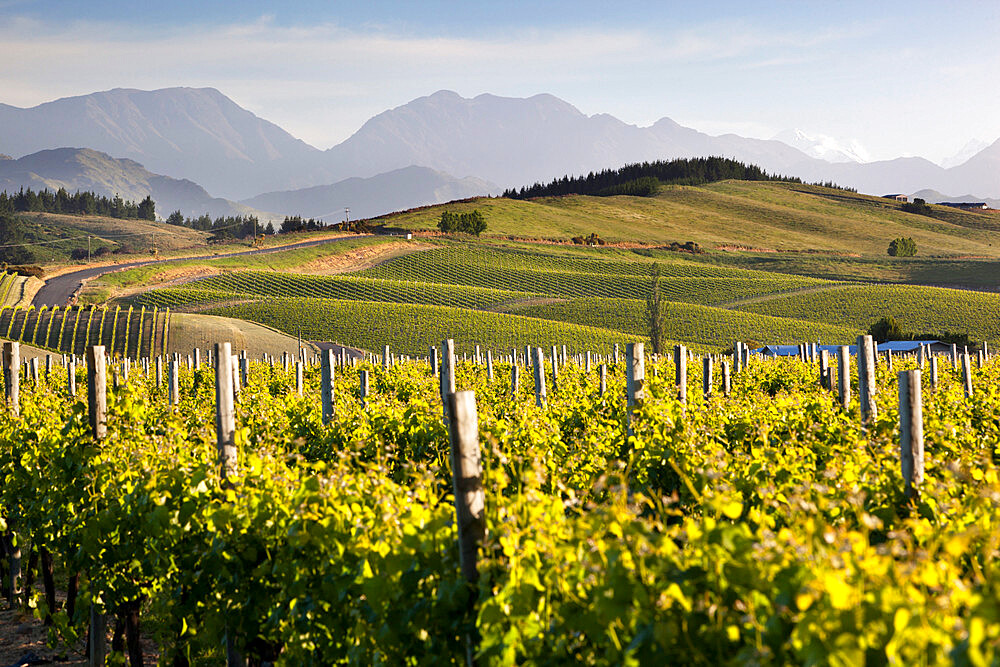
(197, 359)
(470, 499)
(967, 375)
(727, 386)
(225, 416)
(555, 368)
(244, 371)
(173, 383)
(298, 377)
(48, 366)
(635, 379)
(616, 354)
(921, 355)
(539, 370)
(737, 357)
(363, 388)
(385, 357)
(434, 361)
(587, 368)
(706, 376)
(844, 375)
(489, 365)
(97, 407)
(447, 373)
(12, 376)
(515, 379)
(326, 395)
(235, 372)
(680, 372)
(866, 378)
(604, 379)
(71, 377)
(954, 356)
(158, 366)
(911, 432)
(934, 372)
(825, 379)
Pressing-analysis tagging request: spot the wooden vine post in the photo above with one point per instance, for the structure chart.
(727, 383)
(97, 408)
(635, 379)
(604, 379)
(12, 377)
(706, 376)
(173, 382)
(866, 378)
(967, 375)
(71, 377)
(825, 379)
(844, 376)
(225, 416)
(326, 391)
(515, 379)
(680, 372)
(911, 432)
(447, 374)
(470, 499)
(539, 369)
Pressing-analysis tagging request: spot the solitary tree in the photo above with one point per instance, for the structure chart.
(656, 312)
(886, 329)
(903, 247)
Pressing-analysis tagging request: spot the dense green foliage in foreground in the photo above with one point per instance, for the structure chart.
(766, 527)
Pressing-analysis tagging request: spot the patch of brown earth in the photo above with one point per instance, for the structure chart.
(361, 258)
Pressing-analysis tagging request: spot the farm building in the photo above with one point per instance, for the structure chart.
(897, 197)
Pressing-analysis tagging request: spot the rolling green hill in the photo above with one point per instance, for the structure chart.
(759, 215)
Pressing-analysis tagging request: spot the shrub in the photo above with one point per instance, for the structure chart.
(903, 247)
(886, 329)
(467, 223)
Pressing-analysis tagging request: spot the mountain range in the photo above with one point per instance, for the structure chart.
(468, 146)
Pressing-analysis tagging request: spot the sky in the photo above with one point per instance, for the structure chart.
(900, 78)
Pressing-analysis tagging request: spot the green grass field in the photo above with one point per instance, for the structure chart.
(777, 216)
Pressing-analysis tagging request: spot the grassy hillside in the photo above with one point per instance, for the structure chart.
(55, 236)
(773, 216)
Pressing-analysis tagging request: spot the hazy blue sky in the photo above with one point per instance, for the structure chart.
(900, 77)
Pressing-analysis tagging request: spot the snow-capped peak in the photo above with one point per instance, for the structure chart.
(968, 150)
(825, 147)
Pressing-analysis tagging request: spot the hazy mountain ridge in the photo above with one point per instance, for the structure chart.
(85, 169)
(202, 135)
(370, 197)
(198, 134)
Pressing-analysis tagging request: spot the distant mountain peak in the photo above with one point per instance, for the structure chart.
(825, 147)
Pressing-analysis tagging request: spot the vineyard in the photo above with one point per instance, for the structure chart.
(629, 518)
(129, 332)
(924, 309)
(501, 296)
